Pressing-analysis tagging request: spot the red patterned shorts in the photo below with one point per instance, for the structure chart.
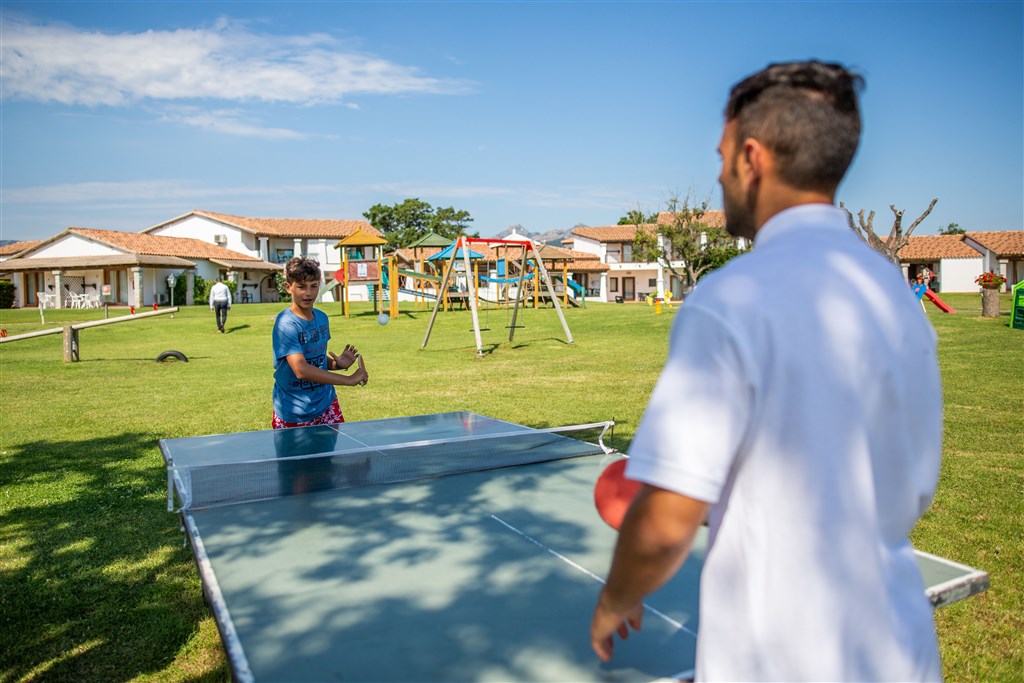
(331, 416)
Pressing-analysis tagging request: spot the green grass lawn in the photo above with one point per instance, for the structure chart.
(95, 583)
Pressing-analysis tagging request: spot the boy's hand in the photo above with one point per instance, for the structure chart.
(344, 360)
(360, 374)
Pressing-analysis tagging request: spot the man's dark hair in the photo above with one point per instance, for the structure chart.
(807, 114)
(301, 269)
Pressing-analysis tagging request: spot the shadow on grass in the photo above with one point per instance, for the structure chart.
(97, 585)
(120, 359)
(236, 328)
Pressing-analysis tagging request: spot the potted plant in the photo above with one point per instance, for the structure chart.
(990, 283)
(990, 280)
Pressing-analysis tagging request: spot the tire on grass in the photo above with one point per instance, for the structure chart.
(168, 355)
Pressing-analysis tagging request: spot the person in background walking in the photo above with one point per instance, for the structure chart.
(220, 302)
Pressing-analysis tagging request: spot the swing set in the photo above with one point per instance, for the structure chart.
(461, 249)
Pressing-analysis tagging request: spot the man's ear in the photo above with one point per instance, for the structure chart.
(753, 160)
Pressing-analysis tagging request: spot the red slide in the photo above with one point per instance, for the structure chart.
(938, 302)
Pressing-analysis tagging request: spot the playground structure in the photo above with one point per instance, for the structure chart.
(939, 303)
(357, 268)
(422, 286)
(461, 249)
(495, 288)
(363, 264)
(71, 341)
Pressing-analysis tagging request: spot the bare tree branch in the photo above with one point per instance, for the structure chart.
(897, 239)
(922, 216)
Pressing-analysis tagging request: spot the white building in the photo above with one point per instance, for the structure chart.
(626, 278)
(272, 240)
(118, 267)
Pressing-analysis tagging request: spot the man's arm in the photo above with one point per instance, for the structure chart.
(655, 539)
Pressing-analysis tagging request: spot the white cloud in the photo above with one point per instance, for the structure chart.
(66, 65)
(132, 192)
(229, 122)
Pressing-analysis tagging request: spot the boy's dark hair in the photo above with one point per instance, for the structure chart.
(301, 269)
(807, 114)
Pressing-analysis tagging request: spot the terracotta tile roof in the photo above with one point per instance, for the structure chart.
(588, 266)
(714, 218)
(1003, 243)
(159, 245)
(293, 227)
(93, 262)
(611, 233)
(933, 247)
(15, 247)
(626, 233)
(410, 255)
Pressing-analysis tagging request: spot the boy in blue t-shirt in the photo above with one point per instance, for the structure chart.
(303, 382)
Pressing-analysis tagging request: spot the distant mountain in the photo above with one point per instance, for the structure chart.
(552, 237)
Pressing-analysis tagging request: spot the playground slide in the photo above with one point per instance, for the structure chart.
(942, 305)
(574, 287)
(419, 293)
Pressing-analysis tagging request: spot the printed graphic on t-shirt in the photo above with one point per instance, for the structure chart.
(311, 342)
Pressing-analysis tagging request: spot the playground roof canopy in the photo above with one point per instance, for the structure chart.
(446, 253)
(431, 239)
(360, 239)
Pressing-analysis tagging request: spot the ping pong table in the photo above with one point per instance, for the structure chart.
(384, 571)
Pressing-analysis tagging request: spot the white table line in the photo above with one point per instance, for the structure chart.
(669, 620)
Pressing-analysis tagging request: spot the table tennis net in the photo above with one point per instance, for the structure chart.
(204, 486)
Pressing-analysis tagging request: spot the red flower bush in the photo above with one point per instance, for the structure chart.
(990, 279)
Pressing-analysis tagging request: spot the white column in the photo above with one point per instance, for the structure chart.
(58, 288)
(660, 283)
(190, 287)
(265, 248)
(297, 247)
(137, 286)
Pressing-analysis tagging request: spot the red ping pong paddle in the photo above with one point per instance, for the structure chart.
(614, 493)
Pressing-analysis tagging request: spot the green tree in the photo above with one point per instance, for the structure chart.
(952, 229)
(686, 245)
(637, 217)
(402, 224)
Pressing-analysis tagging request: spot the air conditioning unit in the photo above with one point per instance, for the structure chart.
(220, 239)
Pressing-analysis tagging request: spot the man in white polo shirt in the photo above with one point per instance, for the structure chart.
(800, 411)
(220, 302)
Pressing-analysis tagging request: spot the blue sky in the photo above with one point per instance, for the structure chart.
(123, 115)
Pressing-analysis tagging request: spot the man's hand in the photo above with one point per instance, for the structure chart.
(655, 538)
(606, 622)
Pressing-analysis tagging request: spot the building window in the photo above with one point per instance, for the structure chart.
(653, 282)
(613, 284)
(627, 253)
